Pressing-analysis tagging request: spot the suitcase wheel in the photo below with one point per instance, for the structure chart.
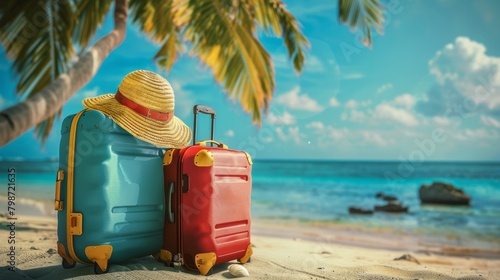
(67, 265)
(98, 270)
(249, 260)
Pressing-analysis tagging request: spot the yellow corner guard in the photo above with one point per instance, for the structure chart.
(247, 255)
(204, 158)
(205, 261)
(99, 254)
(167, 158)
(62, 252)
(165, 256)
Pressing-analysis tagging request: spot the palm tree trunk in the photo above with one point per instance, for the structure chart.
(16, 120)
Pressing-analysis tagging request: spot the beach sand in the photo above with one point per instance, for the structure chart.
(281, 251)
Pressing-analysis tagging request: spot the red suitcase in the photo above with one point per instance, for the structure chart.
(207, 216)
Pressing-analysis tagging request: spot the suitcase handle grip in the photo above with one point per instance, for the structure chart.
(170, 213)
(58, 204)
(205, 110)
(220, 145)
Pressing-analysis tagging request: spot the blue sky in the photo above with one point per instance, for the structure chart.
(429, 89)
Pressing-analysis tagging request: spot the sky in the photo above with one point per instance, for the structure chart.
(427, 90)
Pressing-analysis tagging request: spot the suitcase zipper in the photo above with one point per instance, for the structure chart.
(73, 220)
(180, 248)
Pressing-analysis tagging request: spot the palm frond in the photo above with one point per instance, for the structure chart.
(236, 57)
(156, 19)
(39, 42)
(222, 33)
(90, 14)
(273, 16)
(363, 14)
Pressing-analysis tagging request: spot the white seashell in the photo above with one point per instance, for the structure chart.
(238, 270)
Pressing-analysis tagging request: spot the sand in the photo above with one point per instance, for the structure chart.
(281, 251)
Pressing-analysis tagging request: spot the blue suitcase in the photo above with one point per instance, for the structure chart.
(109, 193)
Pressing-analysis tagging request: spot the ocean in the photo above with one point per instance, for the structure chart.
(322, 191)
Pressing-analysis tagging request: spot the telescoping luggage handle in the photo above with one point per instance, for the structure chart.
(205, 110)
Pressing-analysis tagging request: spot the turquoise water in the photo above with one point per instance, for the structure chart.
(323, 191)
(312, 191)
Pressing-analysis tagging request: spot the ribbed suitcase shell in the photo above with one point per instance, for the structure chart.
(118, 189)
(210, 205)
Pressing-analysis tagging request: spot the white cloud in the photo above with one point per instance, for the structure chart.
(384, 87)
(184, 103)
(334, 102)
(480, 133)
(441, 121)
(293, 134)
(412, 133)
(183, 99)
(476, 134)
(286, 119)
(353, 76)
(398, 110)
(407, 100)
(80, 95)
(326, 134)
(267, 139)
(91, 93)
(366, 103)
(281, 134)
(388, 112)
(460, 136)
(357, 116)
(353, 115)
(176, 85)
(464, 60)
(280, 61)
(464, 73)
(88, 93)
(293, 100)
(489, 121)
(374, 137)
(337, 134)
(313, 64)
(317, 126)
(351, 104)
(229, 133)
(344, 116)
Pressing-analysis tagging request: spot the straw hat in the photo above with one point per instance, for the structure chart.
(144, 106)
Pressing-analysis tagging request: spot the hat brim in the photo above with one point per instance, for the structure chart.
(171, 134)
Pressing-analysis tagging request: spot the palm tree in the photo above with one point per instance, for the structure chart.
(42, 37)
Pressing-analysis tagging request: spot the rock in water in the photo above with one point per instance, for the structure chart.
(443, 193)
(392, 207)
(386, 197)
(238, 270)
(361, 211)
